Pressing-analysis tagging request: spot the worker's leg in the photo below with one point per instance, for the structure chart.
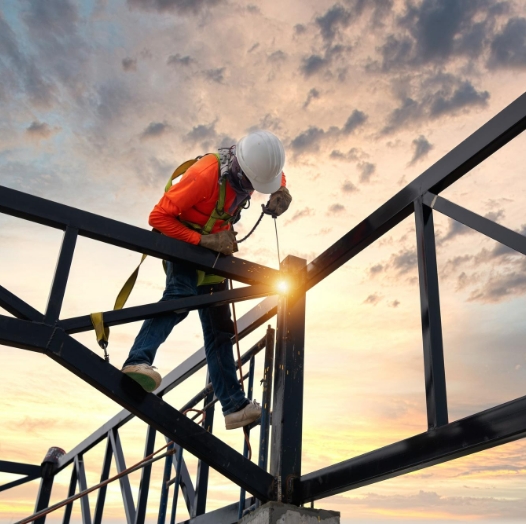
(218, 330)
(181, 281)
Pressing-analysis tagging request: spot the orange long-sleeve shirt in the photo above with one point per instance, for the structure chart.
(192, 199)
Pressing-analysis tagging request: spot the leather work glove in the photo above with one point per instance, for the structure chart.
(223, 242)
(279, 202)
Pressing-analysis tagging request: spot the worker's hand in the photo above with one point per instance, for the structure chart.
(223, 242)
(279, 202)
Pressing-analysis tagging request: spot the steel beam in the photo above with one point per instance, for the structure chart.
(146, 472)
(120, 463)
(267, 398)
(18, 482)
(484, 430)
(71, 492)
(18, 468)
(48, 213)
(180, 305)
(185, 481)
(105, 475)
(287, 415)
(150, 408)
(60, 280)
(434, 370)
(487, 227)
(17, 307)
(225, 515)
(497, 132)
(84, 501)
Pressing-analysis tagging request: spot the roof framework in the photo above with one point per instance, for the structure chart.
(279, 478)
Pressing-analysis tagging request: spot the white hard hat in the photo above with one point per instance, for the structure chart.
(261, 156)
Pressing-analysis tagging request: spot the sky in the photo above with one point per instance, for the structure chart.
(100, 100)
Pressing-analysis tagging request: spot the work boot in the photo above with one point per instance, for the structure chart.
(245, 416)
(144, 374)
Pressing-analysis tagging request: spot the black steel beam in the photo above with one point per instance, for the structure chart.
(287, 414)
(185, 480)
(105, 475)
(225, 515)
(83, 486)
(17, 307)
(146, 473)
(434, 370)
(484, 430)
(18, 468)
(148, 407)
(60, 280)
(71, 491)
(267, 398)
(96, 227)
(18, 482)
(487, 227)
(502, 128)
(180, 305)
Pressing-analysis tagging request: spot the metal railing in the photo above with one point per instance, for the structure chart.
(443, 441)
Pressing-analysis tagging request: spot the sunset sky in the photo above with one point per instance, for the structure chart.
(100, 100)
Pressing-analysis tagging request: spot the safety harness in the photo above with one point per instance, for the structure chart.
(102, 332)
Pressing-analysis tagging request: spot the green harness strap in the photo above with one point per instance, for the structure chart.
(102, 332)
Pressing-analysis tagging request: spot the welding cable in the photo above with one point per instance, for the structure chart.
(146, 461)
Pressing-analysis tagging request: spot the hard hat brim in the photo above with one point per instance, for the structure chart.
(269, 187)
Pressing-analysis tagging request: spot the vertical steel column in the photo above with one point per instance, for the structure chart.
(144, 486)
(203, 469)
(83, 485)
(165, 488)
(435, 376)
(179, 463)
(105, 475)
(246, 433)
(71, 492)
(287, 414)
(44, 494)
(266, 400)
(60, 280)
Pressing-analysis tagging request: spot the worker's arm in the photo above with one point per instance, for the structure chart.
(194, 187)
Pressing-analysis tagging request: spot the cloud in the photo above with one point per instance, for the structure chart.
(215, 75)
(421, 148)
(501, 286)
(356, 119)
(394, 303)
(354, 154)
(404, 261)
(508, 48)
(129, 64)
(373, 299)
(301, 213)
(202, 133)
(348, 187)
(300, 29)
(337, 16)
(177, 59)
(277, 56)
(316, 62)
(155, 130)
(308, 140)
(335, 209)
(313, 94)
(439, 95)
(40, 130)
(366, 171)
(455, 229)
(376, 269)
(167, 6)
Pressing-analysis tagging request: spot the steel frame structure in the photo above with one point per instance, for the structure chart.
(49, 334)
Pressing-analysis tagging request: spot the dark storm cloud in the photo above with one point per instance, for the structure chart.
(179, 60)
(202, 133)
(439, 95)
(335, 209)
(20, 73)
(155, 130)
(215, 75)
(356, 119)
(366, 171)
(129, 64)
(337, 16)
(433, 31)
(318, 62)
(166, 6)
(313, 94)
(508, 48)
(308, 140)
(421, 148)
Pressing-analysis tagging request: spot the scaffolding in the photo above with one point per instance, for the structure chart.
(280, 478)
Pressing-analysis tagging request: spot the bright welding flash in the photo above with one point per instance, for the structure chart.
(283, 286)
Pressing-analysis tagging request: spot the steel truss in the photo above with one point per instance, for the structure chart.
(49, 334)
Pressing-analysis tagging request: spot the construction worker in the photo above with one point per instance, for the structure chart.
(215, 186)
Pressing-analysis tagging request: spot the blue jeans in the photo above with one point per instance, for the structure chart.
(218, 330)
